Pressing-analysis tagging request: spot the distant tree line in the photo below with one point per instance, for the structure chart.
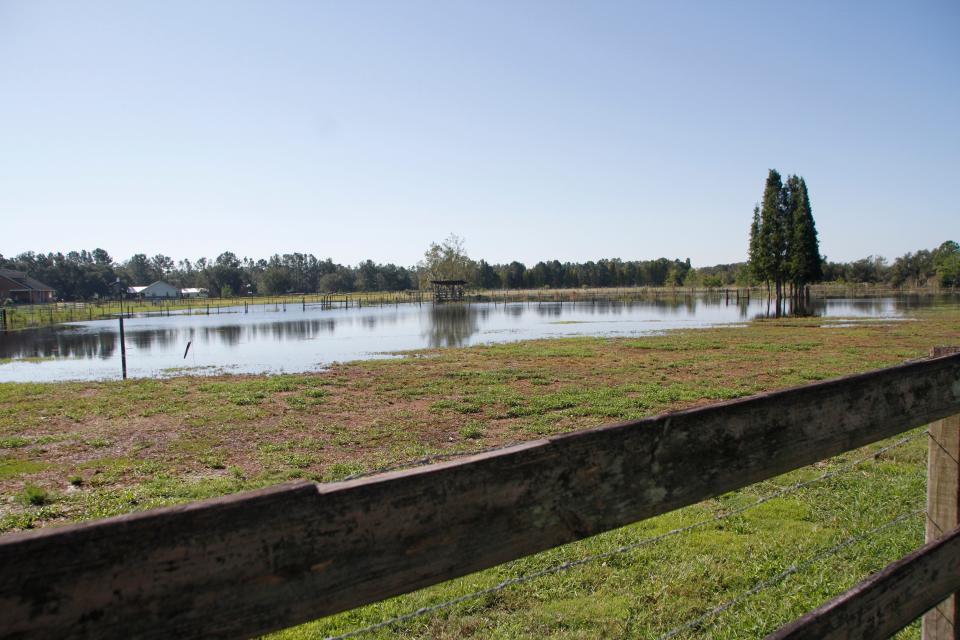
(609, 272)
(939, 266)
(85, 275)
(924, 268)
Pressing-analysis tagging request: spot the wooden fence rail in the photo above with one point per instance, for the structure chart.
(887, 601)
(247, 564)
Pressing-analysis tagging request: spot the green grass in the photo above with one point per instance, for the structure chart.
(28, 359)
(11, 468)
(473, 430)
(13, 442)
(32, 495)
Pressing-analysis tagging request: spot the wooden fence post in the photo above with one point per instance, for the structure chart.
(123, 350)
(943, 505)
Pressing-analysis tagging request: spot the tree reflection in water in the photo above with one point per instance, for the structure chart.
(58, 342)
(452, 325)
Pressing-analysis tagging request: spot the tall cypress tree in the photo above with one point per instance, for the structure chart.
(806, 265)
(773, 231)
(792, 200)
(756, 264)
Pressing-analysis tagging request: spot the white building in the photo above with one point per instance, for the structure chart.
(194, 292)
(158, 289)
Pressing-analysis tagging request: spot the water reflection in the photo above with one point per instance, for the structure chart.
(58, 343)
(305, 339)
(452, 325)
(801, 308)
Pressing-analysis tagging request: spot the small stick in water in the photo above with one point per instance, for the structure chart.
(189, 342)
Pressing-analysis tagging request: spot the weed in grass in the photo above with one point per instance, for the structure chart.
(341, 470)
(463, 405)
(14, 442)
(17, 521)
(141, 445)
(213, 460)
(297, 402)
(244, 399)
(473, 430)
(34, 496)
(314, 396)
(298, 460)
(291, 423)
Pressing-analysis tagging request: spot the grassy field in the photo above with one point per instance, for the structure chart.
(75, 451)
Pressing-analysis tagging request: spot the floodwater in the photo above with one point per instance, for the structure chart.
(268, 339)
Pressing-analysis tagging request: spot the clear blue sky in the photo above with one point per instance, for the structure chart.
(535, 130)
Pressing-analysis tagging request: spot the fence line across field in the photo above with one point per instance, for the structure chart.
(30, 316)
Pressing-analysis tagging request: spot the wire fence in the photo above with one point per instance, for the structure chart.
(725, 515)
(20, 317)
(783, 575)
(23, 316)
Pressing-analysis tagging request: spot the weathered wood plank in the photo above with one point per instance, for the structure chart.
(246, 564)
(943, 508)
(887, 601)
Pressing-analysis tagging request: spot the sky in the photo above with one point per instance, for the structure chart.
(533, 130)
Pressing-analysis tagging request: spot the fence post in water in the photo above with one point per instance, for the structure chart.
(943, 504)
(123, 350)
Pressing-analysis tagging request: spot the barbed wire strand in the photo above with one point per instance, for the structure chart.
(796, 568)
(510, 582)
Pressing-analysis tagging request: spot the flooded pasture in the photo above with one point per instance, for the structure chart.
(272, 340)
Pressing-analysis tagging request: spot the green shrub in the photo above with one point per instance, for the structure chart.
(32, 495)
